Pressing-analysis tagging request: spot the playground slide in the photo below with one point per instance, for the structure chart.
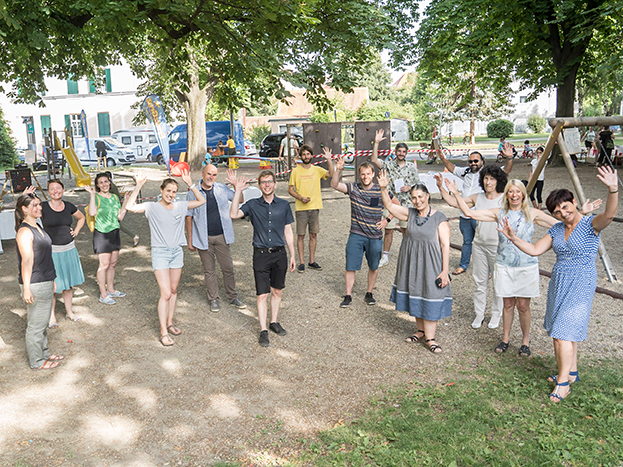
(82, 178)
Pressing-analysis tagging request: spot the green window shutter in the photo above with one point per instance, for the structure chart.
(108, 81)
(46, 124)
(67, 122)
(103, 124)
(72, 86)
(92, 89)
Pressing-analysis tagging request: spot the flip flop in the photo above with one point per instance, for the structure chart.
(169, 342)
(173, 329)
(75, 319)
(458, 271)
(53, 325)
(48, 365)
(56, 358)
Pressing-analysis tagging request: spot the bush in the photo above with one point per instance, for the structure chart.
(536, 123)
(521, 128)
(257, 133)
(499, 128)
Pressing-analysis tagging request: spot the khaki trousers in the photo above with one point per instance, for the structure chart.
(218, 250)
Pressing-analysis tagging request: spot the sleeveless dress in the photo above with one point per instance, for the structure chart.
(574, 278)
(419, 264)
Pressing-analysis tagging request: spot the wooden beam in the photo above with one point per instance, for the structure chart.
(551, 141)
(570, 122)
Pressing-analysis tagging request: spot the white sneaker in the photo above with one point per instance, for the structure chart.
(384, 261)
(107, 301)
(116, 294)
(478, 321)
(494, 322)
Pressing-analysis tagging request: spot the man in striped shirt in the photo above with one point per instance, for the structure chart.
(366, 226)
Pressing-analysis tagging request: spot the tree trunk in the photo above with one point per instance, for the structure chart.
(472, 131)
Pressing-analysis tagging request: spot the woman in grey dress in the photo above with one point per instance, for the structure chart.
(422, 284)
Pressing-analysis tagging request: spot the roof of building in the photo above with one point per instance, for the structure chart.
(299, 106)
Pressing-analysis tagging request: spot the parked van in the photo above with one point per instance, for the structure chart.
(116, 153)
(215, 132)
(139, 139)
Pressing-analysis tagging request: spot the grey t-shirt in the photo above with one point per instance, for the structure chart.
(167, 226)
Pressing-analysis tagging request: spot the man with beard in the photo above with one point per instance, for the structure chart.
(471, 186)
(304, 187)
(402, 176)
(366, 226)
(271, 218)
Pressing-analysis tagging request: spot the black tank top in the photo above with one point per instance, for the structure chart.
(43, 266)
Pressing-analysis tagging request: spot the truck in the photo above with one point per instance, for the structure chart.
(215, 132)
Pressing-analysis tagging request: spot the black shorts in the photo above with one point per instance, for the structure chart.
(269, 269)
(231, 152)
(106, 242)
(589, 144)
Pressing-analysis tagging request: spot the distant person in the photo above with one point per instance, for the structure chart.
(101, 152)
(538, 186)
(606, 137)
(108, 212)
(304, 187)
(271, 218)
(166, 224)
(471, 186)
(57, 217)
(211, 232)
(36, 275)
(589, 140)
(208, 156)
(402, 176)
(527, 150)
(294, 146)
(231, 146)
(114, 189)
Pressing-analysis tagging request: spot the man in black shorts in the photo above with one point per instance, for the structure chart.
(272, 220)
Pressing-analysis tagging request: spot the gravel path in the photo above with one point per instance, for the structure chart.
(120, 398)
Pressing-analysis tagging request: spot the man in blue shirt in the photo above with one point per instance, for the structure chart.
(272, 220)
(210, 232)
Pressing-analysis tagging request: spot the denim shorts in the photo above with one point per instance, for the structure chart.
(357, 245)
(167, 258)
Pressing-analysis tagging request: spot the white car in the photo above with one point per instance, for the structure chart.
(249, 148)
(116, 153)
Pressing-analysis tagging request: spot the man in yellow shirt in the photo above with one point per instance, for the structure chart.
(231, 145)
(305, 188)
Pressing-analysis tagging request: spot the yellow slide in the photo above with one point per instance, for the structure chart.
(82, 178)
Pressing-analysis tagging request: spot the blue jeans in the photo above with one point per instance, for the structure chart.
(468, 229)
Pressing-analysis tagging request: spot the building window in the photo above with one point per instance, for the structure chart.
(103, 124)
(108, 80)
(92, 88)
(72, 86)
(74, 122)
(46, 124)
(523, 99)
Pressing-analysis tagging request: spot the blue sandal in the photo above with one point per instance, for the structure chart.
(555, 393)
(554, 378)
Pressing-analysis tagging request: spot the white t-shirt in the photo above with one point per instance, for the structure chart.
(471, 182)
(534, 163)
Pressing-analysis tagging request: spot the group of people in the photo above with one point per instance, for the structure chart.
(606, 144)
(495, 209)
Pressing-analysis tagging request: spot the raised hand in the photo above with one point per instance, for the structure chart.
(508, 150)
(379, 136)
(240, 183)
(187, 178)
(30, 190)
(140, 180)
(231, 177)
(340, 163)
(451, 185)
(589, 207)
(90, 189)
(608, 177)
(383, 178)
(327, 153)
(506, 229)
(439, 180)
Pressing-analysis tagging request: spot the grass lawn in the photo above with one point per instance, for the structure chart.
(498, 414)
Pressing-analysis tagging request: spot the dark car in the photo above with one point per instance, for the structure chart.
(270, 144)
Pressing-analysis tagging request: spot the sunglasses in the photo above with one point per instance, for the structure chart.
(474, 161)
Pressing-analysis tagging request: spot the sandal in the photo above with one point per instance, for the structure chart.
(458, 271)
(502, 347)
(48, 365)
(168, 340)
(524, 351)
(173, 329)
(433, 347)
(56, 358)
(554, 378)
(555, 393)
(414, 338)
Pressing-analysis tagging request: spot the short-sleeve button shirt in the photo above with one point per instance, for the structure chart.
(268, 220)
(408, 173)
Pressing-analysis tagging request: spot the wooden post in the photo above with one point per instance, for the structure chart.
(546, 152)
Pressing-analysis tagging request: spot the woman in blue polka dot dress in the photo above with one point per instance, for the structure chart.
(575, 241)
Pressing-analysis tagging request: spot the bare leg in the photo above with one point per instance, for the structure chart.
(275, 304)
(387, 239)
(313, 240)
(430, 328)
(507, 318)
(300, 243)
(372, 275)
(523, 306)
(164, 283)
(110, 273)
(104, 263)
(175, 275)
(262, 310)
(350, 281)
(68, 296)
(564, 351)
(52, 317)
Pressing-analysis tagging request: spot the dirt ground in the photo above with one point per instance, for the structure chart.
(121, 398)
